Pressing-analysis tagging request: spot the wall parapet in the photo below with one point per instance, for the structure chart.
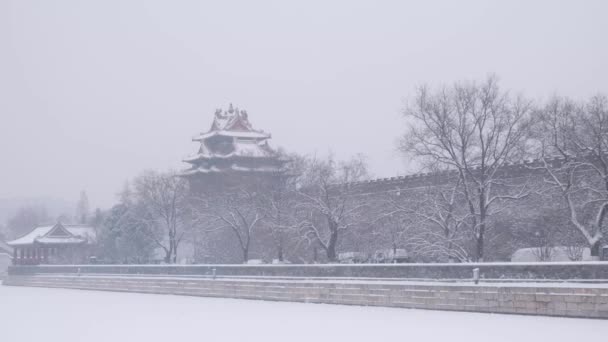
(549, 271)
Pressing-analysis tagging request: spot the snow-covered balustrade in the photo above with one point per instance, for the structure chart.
(500, 271)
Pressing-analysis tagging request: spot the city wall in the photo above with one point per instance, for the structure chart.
(515, 226)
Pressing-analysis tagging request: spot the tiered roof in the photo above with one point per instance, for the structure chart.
(232, 144)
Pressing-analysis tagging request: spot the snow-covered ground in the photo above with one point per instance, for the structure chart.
(38, 314)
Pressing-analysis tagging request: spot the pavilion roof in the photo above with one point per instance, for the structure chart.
(57, 234)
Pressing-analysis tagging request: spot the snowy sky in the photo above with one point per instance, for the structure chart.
(93, 92)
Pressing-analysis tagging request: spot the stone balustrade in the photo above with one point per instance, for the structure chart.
(501, 271)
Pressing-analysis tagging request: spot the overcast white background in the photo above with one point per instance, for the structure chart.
(94, 92)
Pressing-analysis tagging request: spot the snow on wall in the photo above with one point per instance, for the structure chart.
(548, 270)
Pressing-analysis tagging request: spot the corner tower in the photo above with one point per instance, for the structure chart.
(232, 153)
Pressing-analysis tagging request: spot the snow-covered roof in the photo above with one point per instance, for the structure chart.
(235, 168)
(234, 134)
(232, 123)
(245, 149)
(30, 237)
(255, 169)
(231, 119)
(251, 149)
(65, 240)
(57, 234)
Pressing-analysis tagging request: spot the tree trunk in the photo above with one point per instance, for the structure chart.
(595, 250)
(169, 257)
(479, 243)
(331, 246)
(280, 253)
(174, 261)
(479, 248)
(245, 254)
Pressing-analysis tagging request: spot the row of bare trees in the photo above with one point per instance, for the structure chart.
(471, 137)
(301, 207)
(476, 131)
(577, 133)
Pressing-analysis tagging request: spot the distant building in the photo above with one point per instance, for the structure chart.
(232, 152)
(55, 244)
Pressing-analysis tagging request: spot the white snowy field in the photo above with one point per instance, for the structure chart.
(38, 314)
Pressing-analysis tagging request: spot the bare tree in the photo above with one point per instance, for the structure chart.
(542, 234)
(280, 217)
(164, 199)
(573, 141)
(439, 222)
(474, 130)
(545, 246)
(575, 251)
(395, 229)
(326, 204)
(279, 205)
(237, 211)
(391, 229)
(245, 207)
